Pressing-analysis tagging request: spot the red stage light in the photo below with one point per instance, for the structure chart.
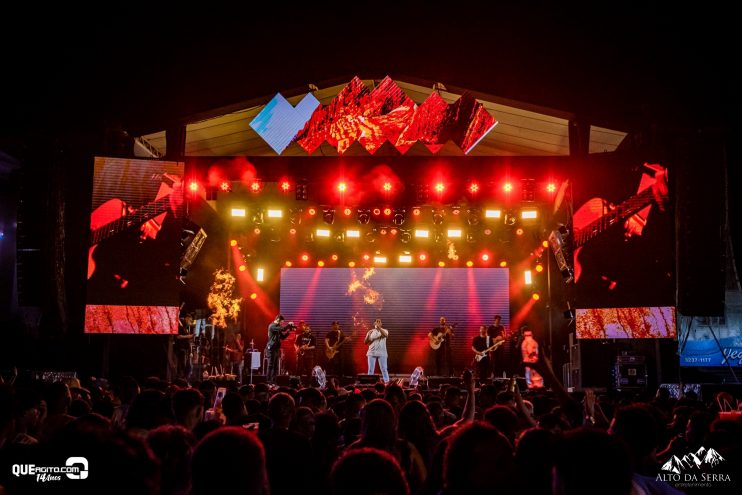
(351, 264)
(256, 186)
(551, 187)
(469, 264)
(285, 186)
(539, 268)
(292, 231)
(320, 263)
(366, 257)
(536, 296)
(416, 212)
(253, 296)
(233, 243)
(257, 231)
(334, 257)
(422, 257)
(342, 187)
(242, 268)
(288, 264)
(487, 231)
(305, 257)
(485, 257)
(519, 231)
(387, 211)
(473, 188)
(193, 186)
(225, 186)
(377, 211)
(503, 264)
(312, 211)
(440, 187)
(441, 264)
(508, 187)
(382, 231)
(393, 231)
(347, 212)
(387, 187)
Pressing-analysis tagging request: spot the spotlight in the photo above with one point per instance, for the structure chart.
(470, 263)
(441, 264)
(312, 211)
(492, 213)
(233, 243)
(440, 187)
(387, 211)
(354, 234)
(473, 188)
(239, 212)
(422, 257)
(399, 217)
(405, 236)
(256, 186)
(334, 257)
(473, 216)
(253, 296)
(416, 212)
(485, 257)
(193, 186)
(508, 187)
(422, 234)
(323, 233)
(328, 215)
(528, 277)
(347, 212)
(379, 259)
(295, 216)
(288, 264)
(377, 212)
(503, 264)
(364, 216)
(285, 186)
(320, 263)
(387, 187)
(302, 190)
(342, 186)
(225, 186)
(242, 268)
(454, 232)
(405, 258)
(305, 257)
(351, 264)
(529, 214)
(539, 268)
(260, 275)
(551, 187)
(422, 193)
(275, 213)
(536, 296)
(258, 217)
(528, 190)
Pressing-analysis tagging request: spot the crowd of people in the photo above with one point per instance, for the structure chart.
(177, 438)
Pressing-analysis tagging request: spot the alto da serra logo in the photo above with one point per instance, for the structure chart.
(693, 460)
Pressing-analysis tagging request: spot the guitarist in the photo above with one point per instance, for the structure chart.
(479, 345)
(334, 339)
(440, 341)
(305, 344)
(500, 362)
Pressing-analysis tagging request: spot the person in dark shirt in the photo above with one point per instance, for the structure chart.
(440, 341)
(276, 333)
(305, 344)
(333, 350)
(500, 359)
(481, 343)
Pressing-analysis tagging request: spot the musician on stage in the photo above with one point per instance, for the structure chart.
(479, 345)
(440, 341)
(334, 340)
(500, 360)
(276, 333)
(235, 351)
(183, 344)
(304, 345)
(376, 342)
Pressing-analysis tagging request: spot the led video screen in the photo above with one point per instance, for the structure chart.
(715, 340)
(134, 247)
(409, 302)
(626, 323)
(623, 235)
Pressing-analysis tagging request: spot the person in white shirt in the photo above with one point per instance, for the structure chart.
(376, 342)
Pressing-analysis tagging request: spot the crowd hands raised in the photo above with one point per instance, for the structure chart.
(158, 437)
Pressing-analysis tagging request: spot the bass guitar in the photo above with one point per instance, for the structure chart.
(331, 352)
(481, 355)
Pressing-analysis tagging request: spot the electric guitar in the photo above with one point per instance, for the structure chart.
(300, 350)
(596, 216)
(115, 216)
(331, 352)
(498, 342)
(435, 341)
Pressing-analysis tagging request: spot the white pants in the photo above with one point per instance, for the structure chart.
(382, 364)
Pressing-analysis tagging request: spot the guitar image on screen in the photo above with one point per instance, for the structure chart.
(596, 216)
(115, 217)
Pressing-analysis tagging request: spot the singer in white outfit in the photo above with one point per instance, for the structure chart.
(376, 342)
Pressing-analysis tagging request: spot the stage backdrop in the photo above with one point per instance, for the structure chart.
(134, 247)
(409, 302)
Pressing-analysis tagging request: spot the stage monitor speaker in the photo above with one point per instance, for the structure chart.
(367, 379)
